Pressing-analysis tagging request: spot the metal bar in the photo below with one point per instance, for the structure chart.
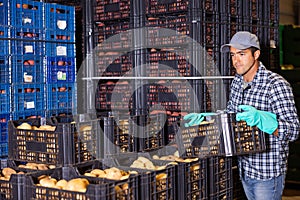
(158, 78)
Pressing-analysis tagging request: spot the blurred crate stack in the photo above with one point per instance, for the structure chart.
(169, 24)
(60, 56)
(112, 56)
(5, 73)
(30, 61)
(27, 58)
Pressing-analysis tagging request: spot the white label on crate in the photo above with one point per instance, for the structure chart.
(28, 49)
(29, 105)
(61, 24)
(61, 51)
(27, 78)
(27, 20)
(62, 76)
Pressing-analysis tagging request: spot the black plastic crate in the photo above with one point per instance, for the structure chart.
(155, 7)
(168, 31)
(111, 95)
(151, 131)
(220, 135)
(68, 144)
(190, 171)
(165, 62)
(171, 95)
(133, 133)
(200, 141)
(96, 189)
(107, 10)
(113, 36)
(232, 8)
(240, 138)
(12, 189)
(238, 190)
(154, 184)
(128, 188)
(119, 136)
(220, 178)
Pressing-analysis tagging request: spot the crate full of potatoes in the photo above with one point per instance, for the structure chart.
(66, 183)
(157, 178)
(123, 182)
(219, 135)
(10, 180)
(190, 171)
(136, 133)
(49, 141)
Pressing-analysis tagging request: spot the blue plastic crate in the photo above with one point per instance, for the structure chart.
(3, 32)
(27, 69)
(60, 70)
(20, 47)
(60, 96)
(4, 118)
(3, 12)
(28, 114)
(3, 149)
(27, 33)
(4, 98)
(3, 47)
(59, 112)
(60, 17)
(60, 36)
(59, 49)
(24, 13)
(27, 97)
(4, 70)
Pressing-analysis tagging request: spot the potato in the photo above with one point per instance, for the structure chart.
(24, 126)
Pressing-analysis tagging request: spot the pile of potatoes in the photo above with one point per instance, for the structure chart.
(144, 163)
(112, 173)
(26, 126)
(175, 157)
(36, 166)
(76, 184)
(7, 172)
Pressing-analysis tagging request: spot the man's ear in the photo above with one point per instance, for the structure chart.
(256, 54)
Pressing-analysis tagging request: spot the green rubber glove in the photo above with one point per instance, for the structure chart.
(265, 121)
(196, 118)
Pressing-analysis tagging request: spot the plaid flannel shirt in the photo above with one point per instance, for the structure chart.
(269, 92)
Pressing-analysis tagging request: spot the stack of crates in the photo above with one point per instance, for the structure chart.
(112, 18)
(32, 84)
(27, 58)
(60, 59)
(4, 79)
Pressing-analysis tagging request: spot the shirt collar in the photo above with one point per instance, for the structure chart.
(258, 74)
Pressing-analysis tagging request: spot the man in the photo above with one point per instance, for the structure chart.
(264, 99)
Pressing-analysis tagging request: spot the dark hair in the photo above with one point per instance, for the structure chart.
(253, 49)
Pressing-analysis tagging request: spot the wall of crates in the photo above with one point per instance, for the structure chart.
(38, 71)
(209, 23)
(76, 144)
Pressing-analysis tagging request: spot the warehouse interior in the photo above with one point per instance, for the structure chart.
(111, 81)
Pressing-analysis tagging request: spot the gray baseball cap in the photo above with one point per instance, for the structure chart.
(241, 40)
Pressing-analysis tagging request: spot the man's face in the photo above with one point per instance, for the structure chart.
(242, 60)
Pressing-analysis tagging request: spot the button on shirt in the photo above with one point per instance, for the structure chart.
(268, 92)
